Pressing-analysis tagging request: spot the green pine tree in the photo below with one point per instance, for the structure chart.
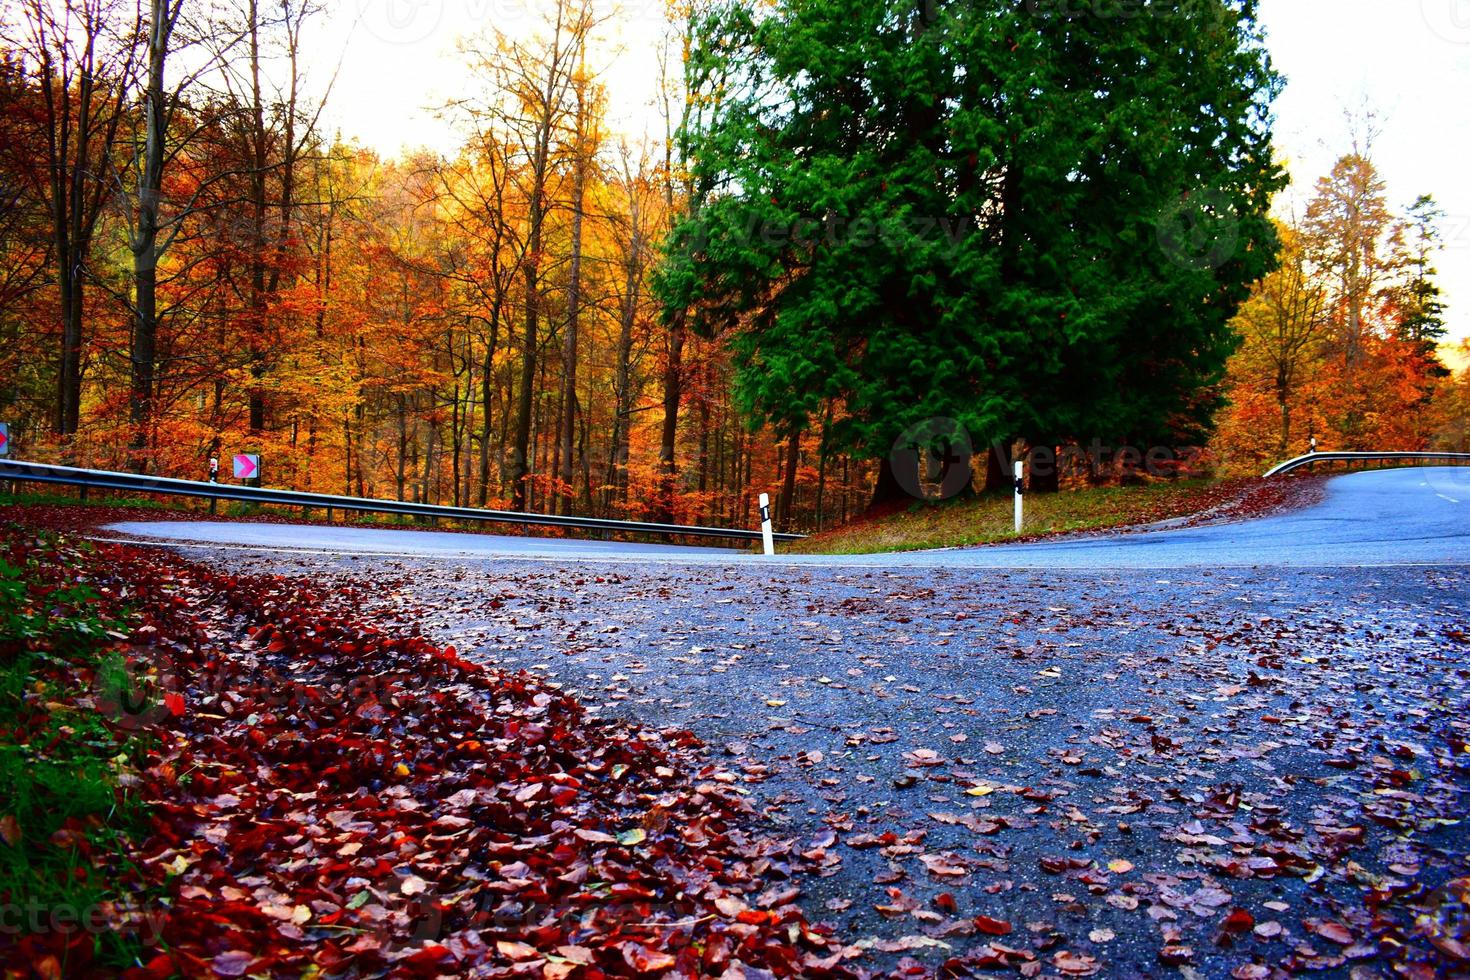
(1422, 321)
(1033, 222)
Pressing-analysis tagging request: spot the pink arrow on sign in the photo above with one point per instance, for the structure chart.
(4, 438)
(245, 465)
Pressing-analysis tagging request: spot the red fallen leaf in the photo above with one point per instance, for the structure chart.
(779, 895)
(516, 951)
(1333, 931)
(174, 701)
(939, 865)
(1175, 955)
(1075, 964)
(10, 830)
(1239, 920)
(596, 836)
(580, 955)
(992, 927)
(161, 967)
(233, 963)
(645, 960)
(945, 903)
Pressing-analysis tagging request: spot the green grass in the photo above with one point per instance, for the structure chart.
(989, 519)
(63, 500)
(65, 817)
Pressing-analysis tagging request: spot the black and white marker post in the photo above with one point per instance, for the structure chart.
(1020, 491)
(766, 539)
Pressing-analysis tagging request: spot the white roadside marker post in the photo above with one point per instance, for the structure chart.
(1020, 490)
(766, 539)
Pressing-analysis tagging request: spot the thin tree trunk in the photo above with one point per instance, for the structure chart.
(788, 486)
(673, 385)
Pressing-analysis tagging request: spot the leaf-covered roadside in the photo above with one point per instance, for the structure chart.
(68, 778)
(330, 799)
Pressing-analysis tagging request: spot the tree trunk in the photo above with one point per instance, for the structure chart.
(788, 483)
(888, 490)
(673, 390)
(1045, 474)
(567, 473)
(999, 468)
(1283, 398)
(145, 237)
(69, 381)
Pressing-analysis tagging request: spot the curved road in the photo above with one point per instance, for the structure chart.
(1418, 516)
(1048, 722)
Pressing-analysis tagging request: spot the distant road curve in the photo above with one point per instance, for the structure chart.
(1412, 516)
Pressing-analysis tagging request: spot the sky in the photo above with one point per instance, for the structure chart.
(1405, 61)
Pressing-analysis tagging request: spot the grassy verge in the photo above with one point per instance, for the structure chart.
(62, 500)
(989, 519)
(66, 809)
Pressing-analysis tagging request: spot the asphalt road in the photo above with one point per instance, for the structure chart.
(1385, 517)
(1109, 745)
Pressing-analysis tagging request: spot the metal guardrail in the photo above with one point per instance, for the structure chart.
(1310, 458)
(26, 472)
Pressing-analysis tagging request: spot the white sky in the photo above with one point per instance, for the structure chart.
(1408, 61)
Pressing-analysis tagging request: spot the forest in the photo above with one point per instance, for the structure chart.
(893, 214)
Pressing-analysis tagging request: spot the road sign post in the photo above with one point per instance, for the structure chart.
(766, 540)
(1020, 492)
(247, 467)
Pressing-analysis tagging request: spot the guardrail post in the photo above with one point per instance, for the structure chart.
(766, 530)
(1020, 493)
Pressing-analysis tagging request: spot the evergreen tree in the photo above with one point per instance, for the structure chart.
(1035, 223)
(1422, 320)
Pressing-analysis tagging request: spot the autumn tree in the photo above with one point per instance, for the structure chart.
(531, 98)
(1283, 324)
(1350, 234)
(79, 54)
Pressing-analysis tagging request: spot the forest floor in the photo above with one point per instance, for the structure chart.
(989, 519)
